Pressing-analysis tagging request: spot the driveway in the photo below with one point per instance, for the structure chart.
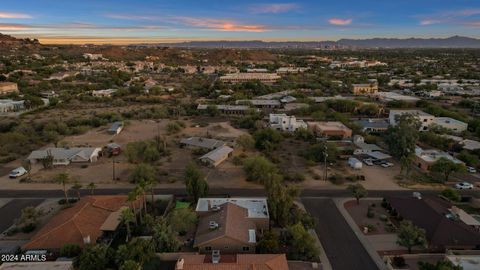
(13, 210)
(344, 250)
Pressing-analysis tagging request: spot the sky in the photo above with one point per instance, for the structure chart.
(143, 21)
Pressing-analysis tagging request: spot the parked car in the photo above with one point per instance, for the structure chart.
(463, 185)
(417, 195)
(368, 161)
(386, 164)
(471, 170)
(377, 162)
(17, 172)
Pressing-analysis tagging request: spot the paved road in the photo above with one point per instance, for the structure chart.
(13, 210)
(244, 192)
(344, 250)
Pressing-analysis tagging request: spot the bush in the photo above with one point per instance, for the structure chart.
(70, 250)
(451, 194)
(370, 213)
(398, 261)
(29, 228)
(337, 179)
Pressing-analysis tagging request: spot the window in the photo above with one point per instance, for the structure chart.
(208, 248)
(246, 248)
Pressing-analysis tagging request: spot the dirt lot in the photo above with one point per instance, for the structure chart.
(359, 214)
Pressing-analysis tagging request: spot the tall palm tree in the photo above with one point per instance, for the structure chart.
(92, 187)
(127, 217)
(77, 186)
(151, 185)
(132, 198)
(63, 179)
(140, 190)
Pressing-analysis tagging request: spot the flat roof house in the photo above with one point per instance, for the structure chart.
(426, 158)
(92, 219)
(64, 156)
(227, 109)
(199, 142)
(373, 125)
(330, 129)
(9, 105)
(454, 125)
(232, 262)
(284, 122)
(230, 225)
(8, 88)
(425, 119)
(261, 103)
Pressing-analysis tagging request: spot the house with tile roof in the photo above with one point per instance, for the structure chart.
(232, 262)
(92, 219)
(229, 228)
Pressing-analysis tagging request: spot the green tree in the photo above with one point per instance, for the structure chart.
(195, 182)
(316, 152)
(130, 265)
(267, 139)
(70, 250)
(77, 187)
(358, 191)
(94, 257)
(410, 236)
(92, 187)
(447, 167)
(269, 243)
(182, 220)
(280, 200)
(28, 220)
(246, 142)
(164, 237)
(138, 250)
(143, 173)
(304, 245)
(259, 169)
(402, 138)
(451, 194)
(63, 179)
(127, 217)
(440, 265)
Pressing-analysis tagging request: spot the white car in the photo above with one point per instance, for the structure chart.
(17, 172)
(471, 170)
(387, 165)
(463, 185)
(368, 162)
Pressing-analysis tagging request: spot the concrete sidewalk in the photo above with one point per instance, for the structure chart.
(361, 237)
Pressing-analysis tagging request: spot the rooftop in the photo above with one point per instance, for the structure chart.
(257, 207)
(218, 153)
(57, 265)
(415, 112)
(233, 262)
(202, 142)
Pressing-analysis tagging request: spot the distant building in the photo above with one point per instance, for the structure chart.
(373, 125)
(261, 103)
(293, 70)
(65, 156)
(453, 125)
(104, 93)
(93, 56)
(9, 105)
(424, 159)
(284, 122)
(116, 128)
(230, 225)
(392, 96)
(199, 142)
(232, 262)
(227, 109)
(330, 129)
(365, 89)
(257, 70)
(8, 88)
(425, 119)
(248, 77)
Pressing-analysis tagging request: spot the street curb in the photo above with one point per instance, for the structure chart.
(368, 247)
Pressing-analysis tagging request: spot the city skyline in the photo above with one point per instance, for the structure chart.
(124, 21)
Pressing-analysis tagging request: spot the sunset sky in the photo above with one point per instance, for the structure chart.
(135, 21)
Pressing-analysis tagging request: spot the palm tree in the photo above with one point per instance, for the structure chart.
(92, 187)
(151, 184)
(132, 198)
(127, 217)
(63, 179)
(140, 191)
(77, 186)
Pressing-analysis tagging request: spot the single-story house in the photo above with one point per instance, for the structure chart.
(362, 147)
(426, 158)
(93, 219)
(64, 156)
(373, 125)
(330, 129)
(217, 156)
(232, 262)
(199, 142)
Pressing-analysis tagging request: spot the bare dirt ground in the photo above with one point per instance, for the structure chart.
(359, 214)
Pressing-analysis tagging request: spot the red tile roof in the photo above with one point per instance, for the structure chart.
(74, 224)
(241, 262)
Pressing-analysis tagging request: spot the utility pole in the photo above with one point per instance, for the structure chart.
(325, 155)
(113, 168)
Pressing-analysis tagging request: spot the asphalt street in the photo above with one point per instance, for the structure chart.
(13, 210)
(343, 249)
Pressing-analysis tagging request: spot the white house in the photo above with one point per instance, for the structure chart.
(425, 118)
(286, 123)
(451, 124)
(65, 156)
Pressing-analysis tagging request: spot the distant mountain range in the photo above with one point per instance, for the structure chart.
(451, 42)
(9, 40)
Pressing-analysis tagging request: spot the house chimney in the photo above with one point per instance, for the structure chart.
(180, 263)
(216, 256)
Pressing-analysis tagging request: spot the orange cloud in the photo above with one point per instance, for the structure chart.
(10, 15)
(222, 25)
(337, 21)
(272, 8)
(12, 27)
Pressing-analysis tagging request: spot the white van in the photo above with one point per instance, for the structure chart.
(355, 163)
(17, 172)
